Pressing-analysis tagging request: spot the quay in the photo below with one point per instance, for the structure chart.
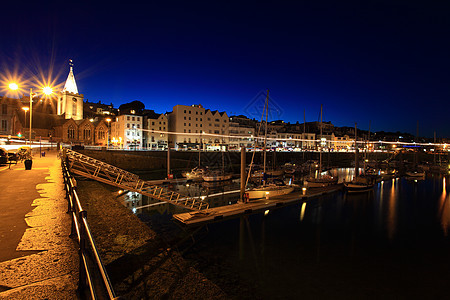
(38, 260)
(216, 214)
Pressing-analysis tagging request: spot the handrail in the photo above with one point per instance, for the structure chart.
(88, 250)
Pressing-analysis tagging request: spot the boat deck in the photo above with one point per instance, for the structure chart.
(220, 213)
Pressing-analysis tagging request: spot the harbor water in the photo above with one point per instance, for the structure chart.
(389, 243)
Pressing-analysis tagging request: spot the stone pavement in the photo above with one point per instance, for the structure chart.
(38, 260)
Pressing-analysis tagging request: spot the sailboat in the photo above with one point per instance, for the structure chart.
(321, 180)
(217, 175)
(276, 187)
(359, 184)
(197, 172)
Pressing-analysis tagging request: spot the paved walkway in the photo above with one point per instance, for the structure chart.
(38, 260)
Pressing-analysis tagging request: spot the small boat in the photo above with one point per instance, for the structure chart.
(415, 174)
(388, 174)
(322, 181)
(276, 188)
(359, 185)
(216, 176)
(195, 174)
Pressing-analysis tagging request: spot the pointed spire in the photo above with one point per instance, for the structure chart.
(71, 85)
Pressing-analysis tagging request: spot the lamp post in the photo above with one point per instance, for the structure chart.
(46, 90)
(25, 109)
(107, 136)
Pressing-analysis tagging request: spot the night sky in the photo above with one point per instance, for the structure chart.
(387, 63)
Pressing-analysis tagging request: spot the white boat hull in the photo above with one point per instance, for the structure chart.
(217, 177)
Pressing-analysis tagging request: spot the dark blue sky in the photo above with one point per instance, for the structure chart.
(383, 62)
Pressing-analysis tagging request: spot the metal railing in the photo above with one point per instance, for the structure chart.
(92, 272)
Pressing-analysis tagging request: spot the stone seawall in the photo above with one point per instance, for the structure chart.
(185, 160)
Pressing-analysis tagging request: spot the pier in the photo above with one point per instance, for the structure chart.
(221, 213)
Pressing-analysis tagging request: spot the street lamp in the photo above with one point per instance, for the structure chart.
(25, 109)
(46, 90)
(107, 137)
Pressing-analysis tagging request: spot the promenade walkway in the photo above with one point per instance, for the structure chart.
(38, 260)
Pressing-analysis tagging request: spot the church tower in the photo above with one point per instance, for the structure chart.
(70, 102)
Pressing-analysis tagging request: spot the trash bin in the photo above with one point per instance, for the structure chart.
(28, 164)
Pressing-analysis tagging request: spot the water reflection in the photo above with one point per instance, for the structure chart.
(444, 211)
(392, 211)
(302, 211)
(340, 239)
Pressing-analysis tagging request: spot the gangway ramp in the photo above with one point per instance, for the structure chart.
(92, 168)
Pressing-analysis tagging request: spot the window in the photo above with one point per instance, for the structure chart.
(185, 117)
(217, 120)
(189, 112)
(189, 131)
(128, 125)
(132, 118)
(184, 124)
(185, 130)
(189, 118)
(160, 128)
(196, 125)
(4, 109)
(101, 134)
(71, 132)
(74, 106)
(138, 125)
(128, 118)
(4, 125)
(159, 122)
(209, 119)
(153, 123)
(200, 119)
(153, 139)
(87, 133)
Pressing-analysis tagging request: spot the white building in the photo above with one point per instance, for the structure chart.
(70, 102)
(194, 127)
(240, 136)
(157, 125)
(126, 132)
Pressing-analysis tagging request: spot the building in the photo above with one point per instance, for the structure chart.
(196, 127)
(83, 132)
(127, 133)
(11, 122)
(343, 143)
(156, 137)
(70, 102)
(240, 136)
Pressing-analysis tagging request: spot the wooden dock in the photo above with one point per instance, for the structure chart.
(220, 213)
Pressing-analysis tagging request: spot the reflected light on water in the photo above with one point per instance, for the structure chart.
(302, 211)
(392, 212)
(445, 209)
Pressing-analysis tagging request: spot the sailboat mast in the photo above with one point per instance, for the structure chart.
(304, 133)
(266, 106)
(356, 154)
(320, 141)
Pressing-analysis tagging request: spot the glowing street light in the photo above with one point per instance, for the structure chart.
(46, 90)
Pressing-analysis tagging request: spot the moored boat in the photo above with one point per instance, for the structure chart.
(359, 185)
(195, 174)
(217, 176)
